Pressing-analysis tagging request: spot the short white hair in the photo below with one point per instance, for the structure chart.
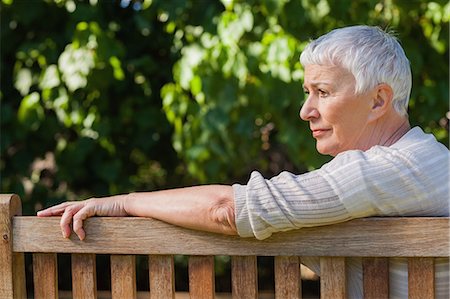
(372, 55)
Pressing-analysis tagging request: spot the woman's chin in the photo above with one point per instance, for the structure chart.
(326, 150)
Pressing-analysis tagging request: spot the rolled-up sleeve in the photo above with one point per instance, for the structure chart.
(382, 181)
(285, 202)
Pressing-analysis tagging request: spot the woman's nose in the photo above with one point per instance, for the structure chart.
(309, 110)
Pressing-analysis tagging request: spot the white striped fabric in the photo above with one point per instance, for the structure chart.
(409, 178)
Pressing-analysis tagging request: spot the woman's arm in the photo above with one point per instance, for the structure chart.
(208, 208)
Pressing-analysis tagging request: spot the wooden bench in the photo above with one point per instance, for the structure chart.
(374, 239)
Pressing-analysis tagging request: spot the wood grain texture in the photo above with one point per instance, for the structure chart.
(133, 235)
(375, 278)
(19, 275)
(84, 276)
(123, 276)
(45, 275)
(12, 265)
(201, 277)
(332, 278)
(421, 278)
(374, 237)
(287, 277)
(162, 277)
(244, 277)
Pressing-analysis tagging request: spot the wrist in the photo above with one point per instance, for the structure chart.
(128, 203)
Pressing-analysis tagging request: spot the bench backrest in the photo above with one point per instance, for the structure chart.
(374, 239)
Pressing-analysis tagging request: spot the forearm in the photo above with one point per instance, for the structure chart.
(207, 208)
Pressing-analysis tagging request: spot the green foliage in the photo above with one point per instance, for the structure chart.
(104, 97)
(81, 113)
(237, 85)
(101, 97)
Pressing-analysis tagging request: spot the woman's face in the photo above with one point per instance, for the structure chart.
(337, 117)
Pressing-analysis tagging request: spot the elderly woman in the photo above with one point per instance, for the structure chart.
(358, 81)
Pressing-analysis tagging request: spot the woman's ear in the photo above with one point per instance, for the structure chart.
(381, 101)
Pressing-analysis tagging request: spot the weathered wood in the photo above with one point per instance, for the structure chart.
(421, 278)
(12, 265)
(19, 275)
(332, 278)
(201, 277)
(123, 276)
(84, 277)
(133, 235)
(287, 277)
(376, 278)
(375, 237)
(244, 277)
(45, 275)
(162, 277)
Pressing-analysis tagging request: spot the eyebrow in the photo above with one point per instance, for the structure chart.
(316, 83)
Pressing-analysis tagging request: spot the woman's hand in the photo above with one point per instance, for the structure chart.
(78, 211)
(207, 208)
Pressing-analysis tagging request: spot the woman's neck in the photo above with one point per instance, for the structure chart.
(391, 131)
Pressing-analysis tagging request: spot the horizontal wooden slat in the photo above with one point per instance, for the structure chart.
(133, 235)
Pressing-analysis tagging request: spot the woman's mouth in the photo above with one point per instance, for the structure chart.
(319, 132)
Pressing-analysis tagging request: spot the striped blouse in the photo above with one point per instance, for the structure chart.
(408, 178)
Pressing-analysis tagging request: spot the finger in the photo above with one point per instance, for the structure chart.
(66, 219)
(55, 210)
(78, 219)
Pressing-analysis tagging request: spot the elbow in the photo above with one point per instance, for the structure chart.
(222, 214)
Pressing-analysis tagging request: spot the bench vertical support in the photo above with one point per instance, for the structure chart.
(201, 277)
(287, 277)
(421, 278)
(84, 276)
(123, 276)
(45, 275)
(12, 264)
(376, 278)
(162, 276)
(244, 277)
(332, 278)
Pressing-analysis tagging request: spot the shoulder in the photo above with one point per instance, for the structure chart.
(416, 139)
(417, 149)
(409, 177)
(415, 145)
(416, 154)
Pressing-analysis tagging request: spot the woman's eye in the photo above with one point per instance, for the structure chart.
(322, 93)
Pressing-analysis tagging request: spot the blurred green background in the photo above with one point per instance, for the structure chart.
(105, 97)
